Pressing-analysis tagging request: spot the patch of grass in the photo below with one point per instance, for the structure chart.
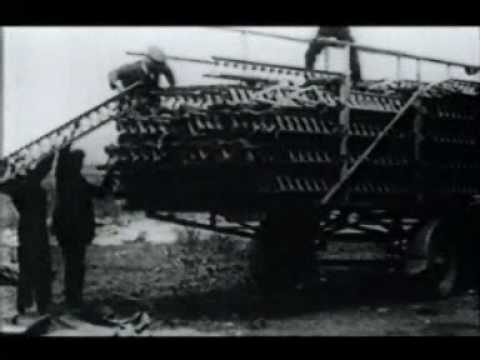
(8, 214)
(189, 238)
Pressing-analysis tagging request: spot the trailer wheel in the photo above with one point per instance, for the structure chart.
(441, 272)
(443, 267)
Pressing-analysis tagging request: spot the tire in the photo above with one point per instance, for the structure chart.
(441, 278)
(443, 268)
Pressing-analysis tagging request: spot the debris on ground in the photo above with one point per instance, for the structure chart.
(141, 237)
(105, 324)
(68, 325)
(258, 324)
(26, 326)
(134, 228)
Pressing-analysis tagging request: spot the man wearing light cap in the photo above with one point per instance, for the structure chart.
(149, 71)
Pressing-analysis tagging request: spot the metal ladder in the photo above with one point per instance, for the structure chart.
(26, 157)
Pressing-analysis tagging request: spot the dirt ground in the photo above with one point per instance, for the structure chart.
(198, 285)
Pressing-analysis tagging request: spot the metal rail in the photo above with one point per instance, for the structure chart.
(264, 66)
(360, 47)
(183, 222)
(261, 34)
(247, 79)
(176, 58)
(253, 65)
(395, 53)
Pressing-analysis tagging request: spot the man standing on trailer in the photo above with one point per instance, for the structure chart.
(339, 33)
(30, 200)
(148, 70)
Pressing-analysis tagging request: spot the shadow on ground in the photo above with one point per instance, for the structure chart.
(343, 291)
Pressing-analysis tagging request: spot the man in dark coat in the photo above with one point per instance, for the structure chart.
(149, 70)
(339, 33)
(74, 220)
(29, 198)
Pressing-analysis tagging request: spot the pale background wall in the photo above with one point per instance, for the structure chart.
(52, 74)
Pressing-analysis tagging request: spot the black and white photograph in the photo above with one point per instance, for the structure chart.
(240, 181)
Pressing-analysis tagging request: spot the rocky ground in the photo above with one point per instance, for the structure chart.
(195, 283)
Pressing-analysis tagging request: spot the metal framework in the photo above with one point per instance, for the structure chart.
(26, 157)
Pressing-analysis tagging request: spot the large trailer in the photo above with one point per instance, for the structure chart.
(297, 165)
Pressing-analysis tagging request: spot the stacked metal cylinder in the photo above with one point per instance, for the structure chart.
(451, 149)
(233, 146)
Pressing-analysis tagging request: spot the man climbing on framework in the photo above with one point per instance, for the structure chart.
(30, 200)
(339, 33)
(148, 70)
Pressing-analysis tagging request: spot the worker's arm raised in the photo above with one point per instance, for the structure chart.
(42, 169)
(63, 156)
(61, 171)
(7, 185)
(170, 76)
(114, 82)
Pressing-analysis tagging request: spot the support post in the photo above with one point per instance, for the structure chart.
(418, 69)
(398, 67)
(418, 175)
(345, 114)
(449, 71)
(2, 93)
(326, 59)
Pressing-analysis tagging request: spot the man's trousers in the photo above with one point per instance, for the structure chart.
(74, 261)
(35, 275)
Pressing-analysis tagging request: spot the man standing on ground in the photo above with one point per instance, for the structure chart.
(74, 220)
(339, 33)
(29, 198)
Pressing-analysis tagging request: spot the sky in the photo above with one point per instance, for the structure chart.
(52, 74)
